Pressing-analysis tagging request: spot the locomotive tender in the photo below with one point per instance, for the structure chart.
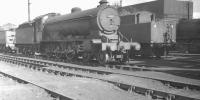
(90, 34)
(29, 35)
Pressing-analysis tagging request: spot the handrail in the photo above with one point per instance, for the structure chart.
(123, 36)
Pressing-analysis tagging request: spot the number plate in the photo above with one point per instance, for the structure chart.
(119, 56)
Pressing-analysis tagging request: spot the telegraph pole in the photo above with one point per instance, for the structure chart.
(188, 6)
(29, 19)
(120, 3)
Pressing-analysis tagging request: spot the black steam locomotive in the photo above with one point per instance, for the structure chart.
(89, 34)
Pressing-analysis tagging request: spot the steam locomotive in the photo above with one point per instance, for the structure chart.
(89, 34)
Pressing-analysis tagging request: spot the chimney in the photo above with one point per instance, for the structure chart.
(75, 9)
(103, 2)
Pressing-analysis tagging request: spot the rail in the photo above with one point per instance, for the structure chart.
(52, 93)
(39, 66)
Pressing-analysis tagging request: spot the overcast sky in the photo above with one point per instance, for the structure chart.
(15, 11)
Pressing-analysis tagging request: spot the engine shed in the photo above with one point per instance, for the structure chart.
(163, 8)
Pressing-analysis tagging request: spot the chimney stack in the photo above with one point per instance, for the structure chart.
(103, 2)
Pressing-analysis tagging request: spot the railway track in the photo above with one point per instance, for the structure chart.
(133, 66)
(103, 71)
(176, 63)
(44, 67)
(180, 66)
(184, 58)
(53, 94)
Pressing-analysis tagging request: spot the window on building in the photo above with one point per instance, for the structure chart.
(138, 18)
(152, 17)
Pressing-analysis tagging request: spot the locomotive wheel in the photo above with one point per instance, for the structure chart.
(86, 57)
(70, 56)
(58, 55)
(103, 57)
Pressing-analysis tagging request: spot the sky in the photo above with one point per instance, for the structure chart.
(16, 11)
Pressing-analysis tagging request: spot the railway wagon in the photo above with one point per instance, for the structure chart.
(155, 36)
(2, 40)
(7, 38)
(91, 34)
(10, 39)
(188, 36)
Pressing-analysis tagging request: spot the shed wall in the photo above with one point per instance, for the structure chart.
(163, 8)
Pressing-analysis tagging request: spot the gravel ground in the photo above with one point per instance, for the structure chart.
(184, 62)
(89, 89)
(73, 87)
(152, 84)
(11, 90)
(147, 83)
